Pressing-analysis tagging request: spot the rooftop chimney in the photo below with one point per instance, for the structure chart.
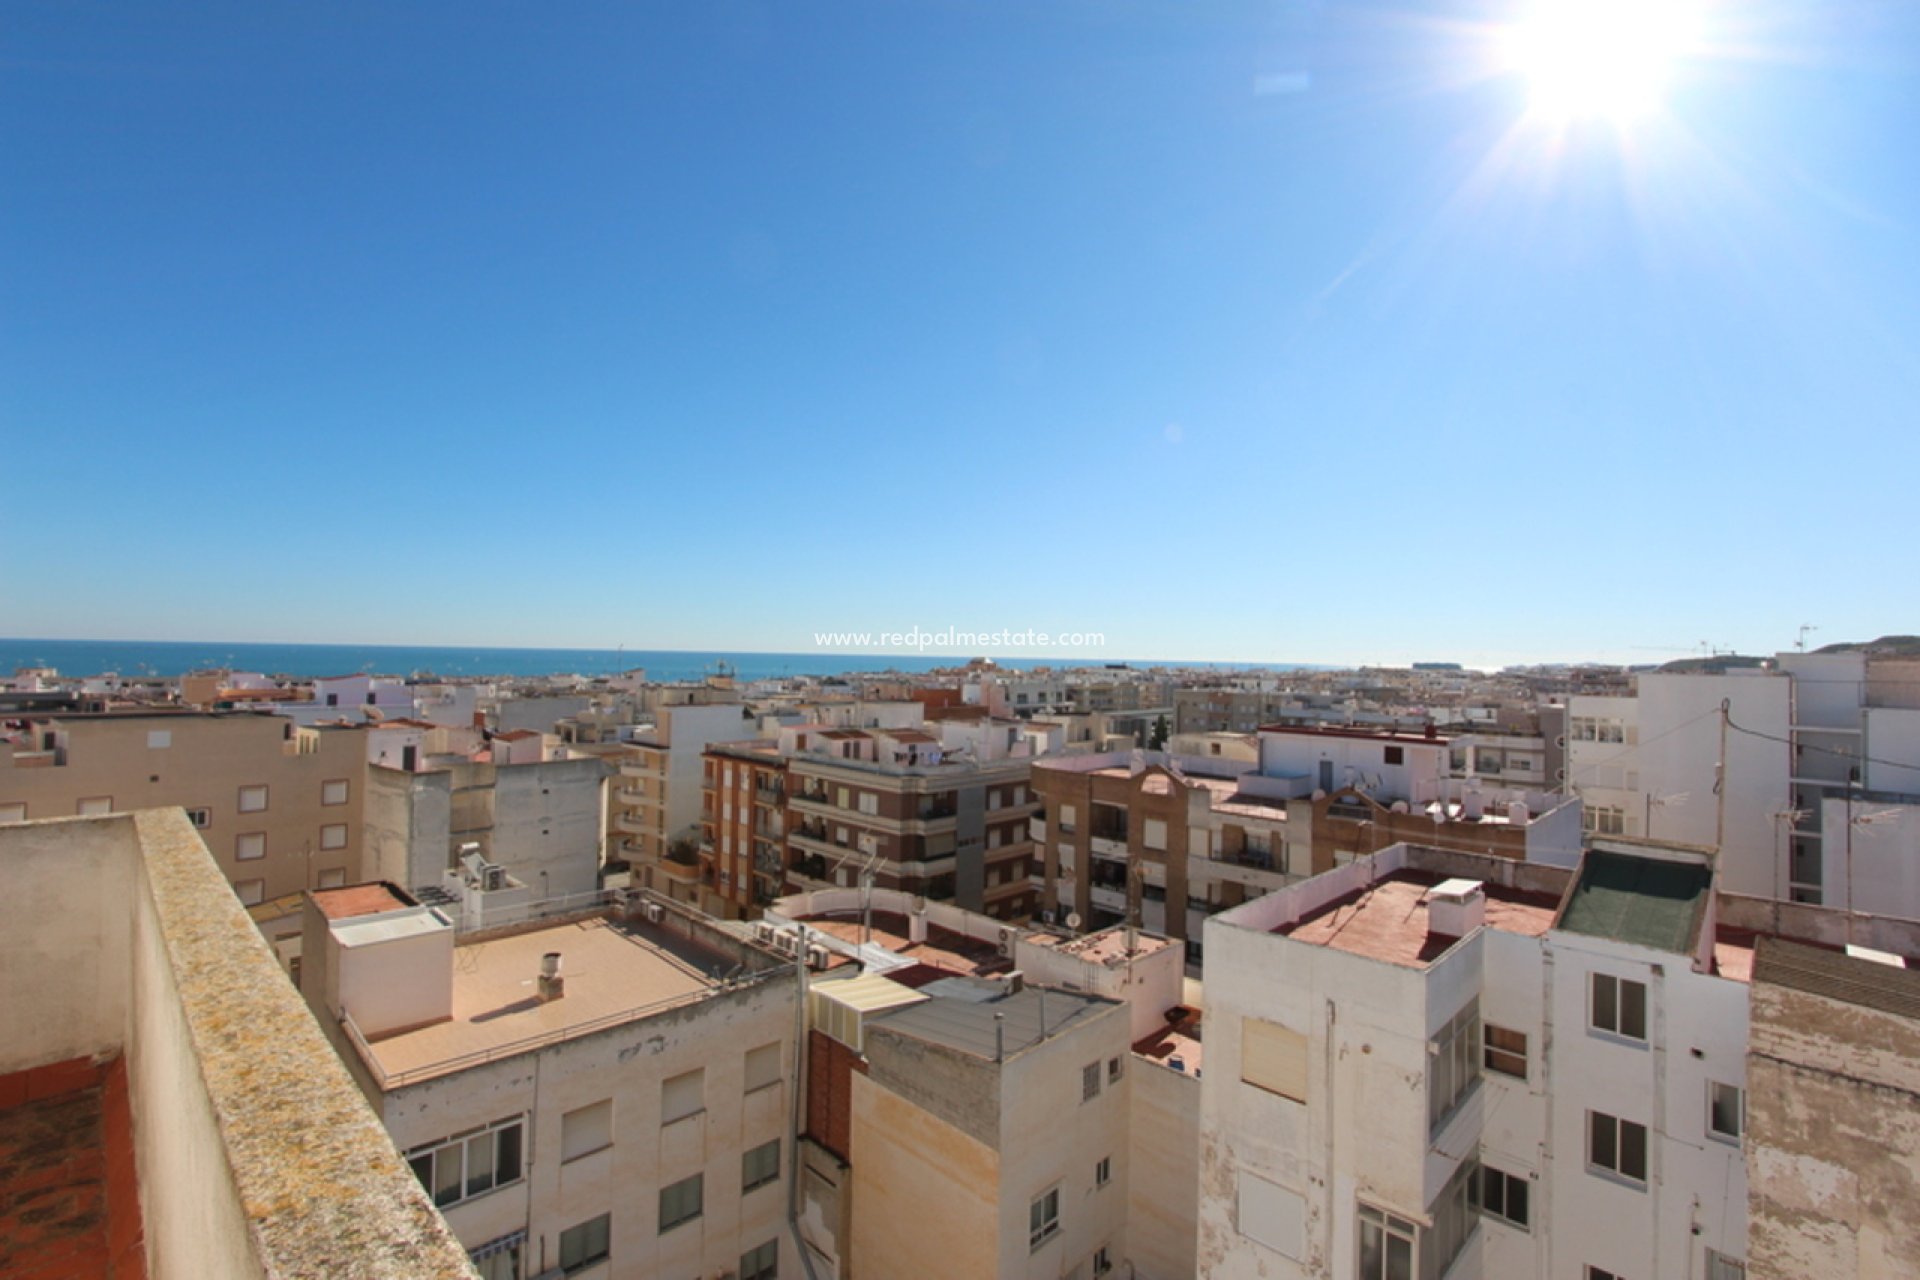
(552, 985)
(1455, 908)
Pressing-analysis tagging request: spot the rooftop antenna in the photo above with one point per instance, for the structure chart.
(1801, 643)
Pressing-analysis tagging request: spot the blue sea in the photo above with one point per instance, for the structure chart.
(134, 658)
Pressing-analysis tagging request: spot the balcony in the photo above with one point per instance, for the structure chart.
(1114, 900)
(630, 825)
(1106, 847)
(219, 1157)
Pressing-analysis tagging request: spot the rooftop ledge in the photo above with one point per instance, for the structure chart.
(255, 1154)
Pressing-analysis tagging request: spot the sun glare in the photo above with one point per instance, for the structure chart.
(1609, 59)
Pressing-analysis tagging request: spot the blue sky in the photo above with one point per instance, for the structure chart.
(1260, 331)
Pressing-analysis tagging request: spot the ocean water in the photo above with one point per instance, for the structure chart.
(132, 658)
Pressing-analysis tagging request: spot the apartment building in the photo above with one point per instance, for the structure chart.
(279, 806)
(1155, 839)
(538, 821)
(988, 1134)
(605, 1096)
(1432, 1063)
(1176, 838)
(743, 843)
(654, 805)
(1816, 798)
(167, 1106)
(892, 805)
(887, 952)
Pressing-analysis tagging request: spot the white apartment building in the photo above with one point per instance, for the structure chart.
(1821, 774)
(605, 1097)
(1428, 1063)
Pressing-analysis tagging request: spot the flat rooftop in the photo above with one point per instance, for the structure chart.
(1177, 1039)
(615, 971)
(943, 949)
(966, 1015)
(1387, 920)
(1646, 902)
(1107, 948)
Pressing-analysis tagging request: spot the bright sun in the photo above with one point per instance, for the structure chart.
(1606, 59)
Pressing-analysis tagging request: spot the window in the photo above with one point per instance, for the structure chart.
(200, 818)
(1103, 1172)
(469, 1163)
(1454, 1220)
(682, 1202)
(1386, 1245)
(760, 1166)
(762, 1263)
(1604, 820)
(1506, 1051)
(1394, 755)
(1725, 1111)
(586, 1244)
(333, 791)
(1102, 1261)
(1721, 1267)
(683, 1096)
(1274, 1058)
(1043, 1219)
(253, 800)
(94, 806)
(1595, 1273)
(16, 811)
(1114, 1067)
(332, 877)
(1090, 1082)
(1065, 820)
(1619, 1007)
(763, 1066)
(586, 1130)
(1454, 1064)
(1153, 833)
(1504, 1196)
(869, 802)
(250, 891)
(159, 738)
(1617, 1146)
(333, 836)
(249, 845)
(499, 1259)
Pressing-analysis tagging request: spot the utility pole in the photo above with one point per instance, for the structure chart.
(1720, 787)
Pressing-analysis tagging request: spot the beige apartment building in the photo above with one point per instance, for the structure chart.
(606, 1096)
(278, 806)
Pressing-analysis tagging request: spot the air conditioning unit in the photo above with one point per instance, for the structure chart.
(654, 913)
(764, 933)
(496, 878)
(818, 957)
(1006, 942)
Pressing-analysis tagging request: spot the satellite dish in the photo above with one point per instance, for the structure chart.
(1073, 919)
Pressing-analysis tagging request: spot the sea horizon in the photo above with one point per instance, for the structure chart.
(165, 659)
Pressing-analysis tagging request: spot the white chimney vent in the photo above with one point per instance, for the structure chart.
(1456, 908)
(552, 985)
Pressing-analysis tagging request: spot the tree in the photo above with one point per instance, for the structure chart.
(1158, 739)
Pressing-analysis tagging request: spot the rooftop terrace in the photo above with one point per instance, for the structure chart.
(615, 971)
(1387, 919)
(238, 1145)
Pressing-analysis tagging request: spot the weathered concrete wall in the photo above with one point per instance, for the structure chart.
(1833, 1139)
(1163, 1172)
(63, 940)
(408, 818)
(906, 1160)
(962, 1090)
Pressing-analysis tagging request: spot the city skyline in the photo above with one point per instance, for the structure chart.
(1263, 332)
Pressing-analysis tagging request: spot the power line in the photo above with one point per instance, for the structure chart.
(1808, 746)
(1627, 751)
